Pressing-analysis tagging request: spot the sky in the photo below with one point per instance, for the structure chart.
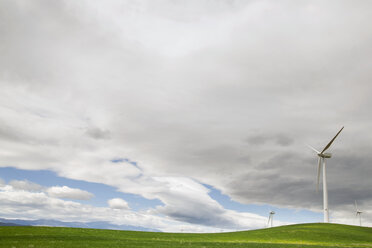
(184, 116)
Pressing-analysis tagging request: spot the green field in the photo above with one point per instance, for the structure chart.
(302, 235)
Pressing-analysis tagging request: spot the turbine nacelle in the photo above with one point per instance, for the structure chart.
(325, 155)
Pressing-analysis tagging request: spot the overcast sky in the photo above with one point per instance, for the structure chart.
(177, 106)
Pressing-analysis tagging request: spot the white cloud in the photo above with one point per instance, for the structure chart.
(69, 193)
(25, 185)
(23, 199)
(118, 203)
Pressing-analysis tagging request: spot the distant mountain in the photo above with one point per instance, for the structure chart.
(8, 224)
(56, 223)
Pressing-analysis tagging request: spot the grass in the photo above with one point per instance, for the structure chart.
(293, 236)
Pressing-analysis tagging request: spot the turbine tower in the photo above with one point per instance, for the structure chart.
(358, 213)
(321, 160)
(270, 221)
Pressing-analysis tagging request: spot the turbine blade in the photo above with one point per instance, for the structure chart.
(330, 143)
(356, 206)
(268, 222)
(312, 148)
(318, 177)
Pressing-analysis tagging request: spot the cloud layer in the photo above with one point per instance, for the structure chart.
(224, 94)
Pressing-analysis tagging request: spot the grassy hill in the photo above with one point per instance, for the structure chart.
(302, 235)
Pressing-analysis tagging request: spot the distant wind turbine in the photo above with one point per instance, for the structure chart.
(270, 221)
(321, 160)
(358, 213)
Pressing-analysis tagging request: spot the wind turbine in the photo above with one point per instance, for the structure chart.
(270, 221)
(321, 160)
(358, 212)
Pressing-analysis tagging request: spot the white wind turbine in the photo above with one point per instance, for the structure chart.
(358, 212)
(321, 160)
(270, 221)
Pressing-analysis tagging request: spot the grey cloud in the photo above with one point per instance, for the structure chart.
(8, 134)
(210, 216)
(341, 196)
(45, 33)
(284, 140)
(98, 133)
(17, 134)
(262, 139)
(257, 140)
(180, 94)
(285, 181)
